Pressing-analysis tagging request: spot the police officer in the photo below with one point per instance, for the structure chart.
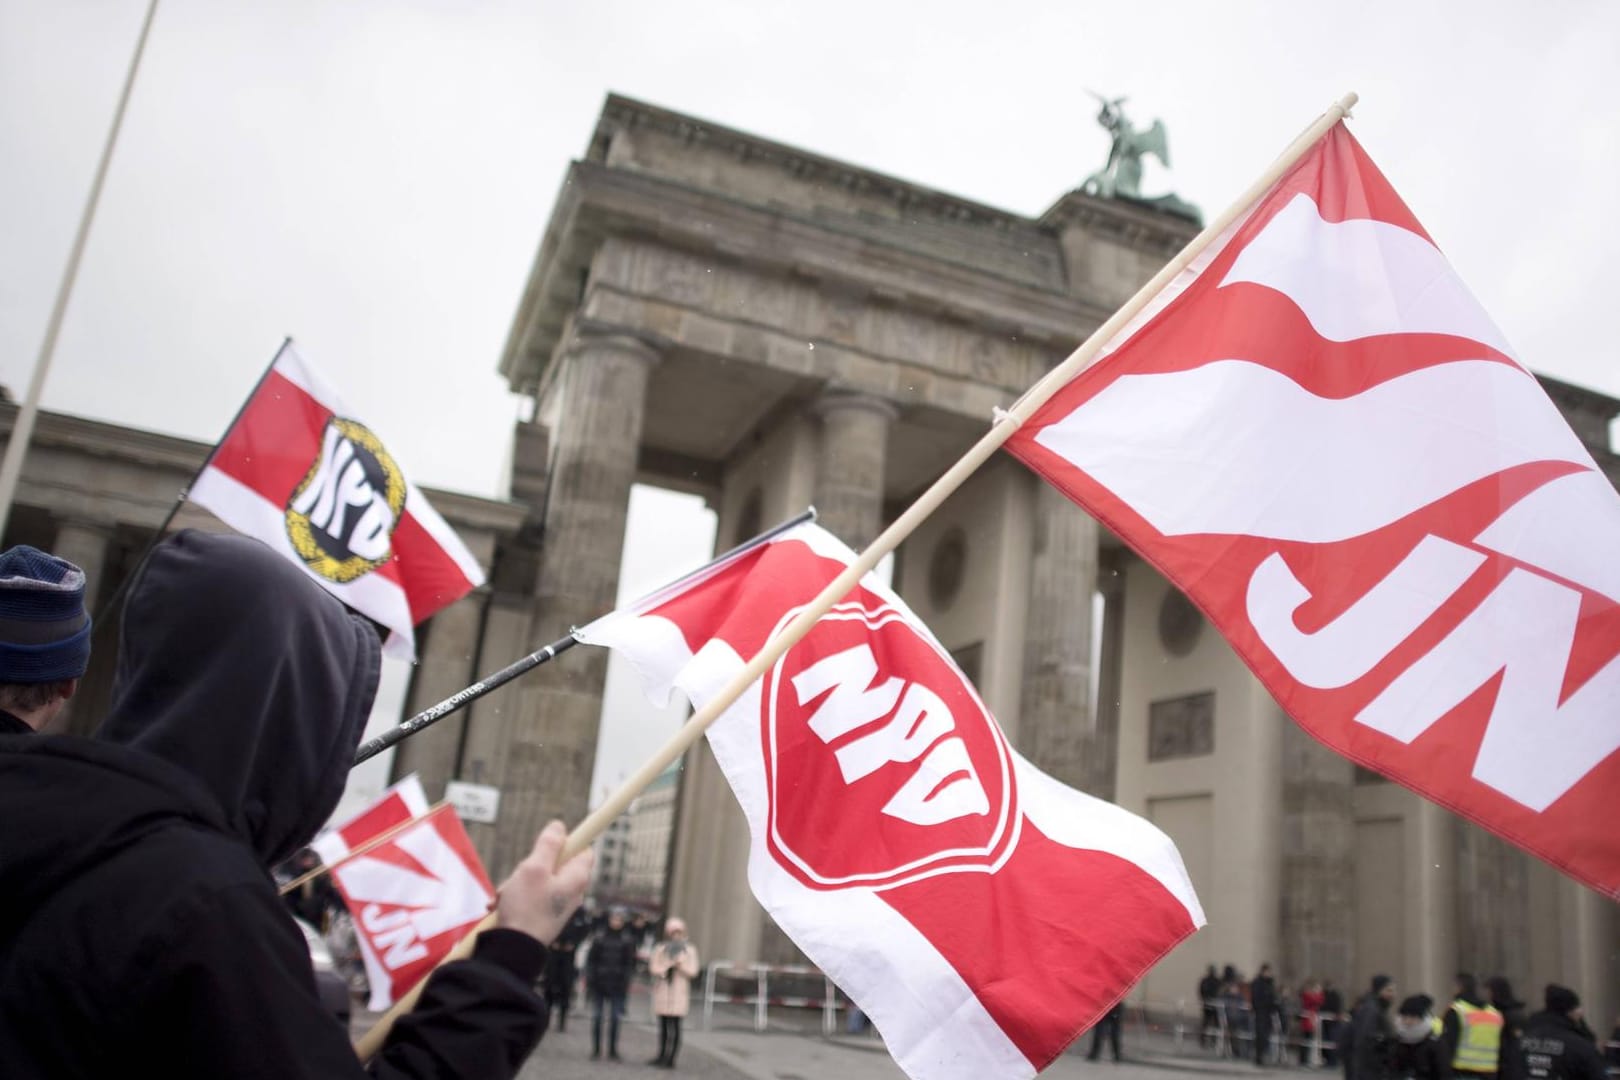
(1473, 1032)
(1554, 1046)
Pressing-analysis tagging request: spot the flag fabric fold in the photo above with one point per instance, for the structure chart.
(1322, 439)
(299, 473)
(413, 896)
(980, 913)
(398, 804)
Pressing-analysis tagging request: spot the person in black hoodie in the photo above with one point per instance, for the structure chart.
(1555, 1046)
(140, 930)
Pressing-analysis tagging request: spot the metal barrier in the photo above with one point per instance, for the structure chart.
(1153, 1015)
(1286, 1033)
(761, 998)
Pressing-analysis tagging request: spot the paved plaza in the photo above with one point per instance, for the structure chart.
(793, 1048)
(798, 1051)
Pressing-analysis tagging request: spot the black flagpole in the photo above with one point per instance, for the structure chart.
(185, 492)
(461, 698)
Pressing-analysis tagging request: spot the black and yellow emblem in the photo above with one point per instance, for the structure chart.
(341, 517)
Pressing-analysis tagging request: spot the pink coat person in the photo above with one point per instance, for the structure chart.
(673, 965)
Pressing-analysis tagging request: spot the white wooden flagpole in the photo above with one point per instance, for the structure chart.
(902, 527)
(22, 433)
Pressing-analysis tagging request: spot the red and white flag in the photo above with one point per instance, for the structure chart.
(413, 897)
(298, 472)
(397, 805)
(1320, 437)
(979, 912)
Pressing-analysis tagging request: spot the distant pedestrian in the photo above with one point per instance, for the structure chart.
(608, 967)
(44, 637)
(673, 965)
(1263, 1000)
(1332, 1022)
(1235, 1013)
(1509, 1064)
(1554, 1046)
(561, 967)
(1310, 1018)
(1367, 1045)
(1107, 1028)
(1418, 1053)
(1209, 989)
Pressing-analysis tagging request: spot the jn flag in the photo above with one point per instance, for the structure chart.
(414, 896)
(300, 473)
(399, 804)
(1321, 438)
(979, 912)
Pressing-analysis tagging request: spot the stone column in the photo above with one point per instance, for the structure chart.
(1591, 950)
(85, 545)
(446, 649)
(545, 771)
(849, 476)
(1317, 900)
(1493, 905)
(491, 719)
(1436, 889)
(1056, 729)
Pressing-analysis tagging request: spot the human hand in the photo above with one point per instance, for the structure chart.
(540, 895)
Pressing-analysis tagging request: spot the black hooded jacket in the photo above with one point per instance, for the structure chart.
(1555, 1048)
(139, 926)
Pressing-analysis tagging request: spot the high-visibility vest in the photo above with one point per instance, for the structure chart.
(1479, 1037)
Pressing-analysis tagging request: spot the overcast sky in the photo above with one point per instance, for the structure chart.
(373, 177)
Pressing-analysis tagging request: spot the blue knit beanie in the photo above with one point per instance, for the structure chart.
(44, 629)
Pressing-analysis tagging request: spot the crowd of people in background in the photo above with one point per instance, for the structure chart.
(620, 947)
(1484, 1033)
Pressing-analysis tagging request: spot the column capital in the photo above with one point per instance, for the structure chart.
(835, 399)
(588, 339)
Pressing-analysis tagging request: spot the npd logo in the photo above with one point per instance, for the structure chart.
(341, 517)
(882, 763)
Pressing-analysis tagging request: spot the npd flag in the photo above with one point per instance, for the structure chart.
(979, 912)
(300, 473)
(1324, 441)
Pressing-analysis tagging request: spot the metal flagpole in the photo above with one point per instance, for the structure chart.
(462, 698)
(23, 431)
(597, 820)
